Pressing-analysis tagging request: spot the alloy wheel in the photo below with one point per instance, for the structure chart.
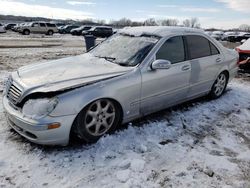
(220, 84)
(99, 117)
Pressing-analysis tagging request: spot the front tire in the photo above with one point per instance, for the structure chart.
(97, 119)
(219, 86)
(26, 32)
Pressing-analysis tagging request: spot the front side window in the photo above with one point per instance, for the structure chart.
(124, 49)
(35, 24)
(172, 50)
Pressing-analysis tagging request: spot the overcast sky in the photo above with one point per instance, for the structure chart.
(211, 13)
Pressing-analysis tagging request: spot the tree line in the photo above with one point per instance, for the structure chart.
(123, 22)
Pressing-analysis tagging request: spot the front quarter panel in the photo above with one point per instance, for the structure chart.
(124, 89)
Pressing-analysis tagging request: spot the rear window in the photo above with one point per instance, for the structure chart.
(87, 28)
(50, 25)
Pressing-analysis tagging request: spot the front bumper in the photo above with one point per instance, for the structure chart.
(37, 130)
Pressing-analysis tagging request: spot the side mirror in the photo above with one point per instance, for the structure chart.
(161, 64)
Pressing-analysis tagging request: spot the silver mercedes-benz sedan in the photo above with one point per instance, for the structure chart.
(137, 71)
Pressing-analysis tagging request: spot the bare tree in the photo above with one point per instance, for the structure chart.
(193, 22)
(150, 22)
(244, 27)
(101, 22)
(169, 22)
(122, 22)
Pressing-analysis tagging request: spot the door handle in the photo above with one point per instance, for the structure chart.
(186, 67)
(218, 60)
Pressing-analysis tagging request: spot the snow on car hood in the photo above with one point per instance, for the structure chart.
(68, 72)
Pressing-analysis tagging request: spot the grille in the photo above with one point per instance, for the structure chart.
(13, 92)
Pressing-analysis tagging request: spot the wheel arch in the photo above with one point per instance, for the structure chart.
(116, 102)
(50, 30)
(26, 29)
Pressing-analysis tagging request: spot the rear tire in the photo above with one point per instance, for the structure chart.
(219, 86)
(50, 32)
(97, 119)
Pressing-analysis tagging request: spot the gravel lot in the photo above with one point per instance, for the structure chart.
(202, 143)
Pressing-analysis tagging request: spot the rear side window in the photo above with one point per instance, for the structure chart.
(198, 47)
(214, 50)
(50, 25)
(42, 25)
(172, 50)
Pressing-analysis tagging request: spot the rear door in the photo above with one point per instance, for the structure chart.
(206, 60)
(43, 28)
(165, 87)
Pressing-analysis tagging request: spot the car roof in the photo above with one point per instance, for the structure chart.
(161, 31)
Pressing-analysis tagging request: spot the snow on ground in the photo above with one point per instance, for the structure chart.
(202, 143)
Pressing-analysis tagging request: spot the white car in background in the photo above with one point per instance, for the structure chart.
(217, 35)
(2, 29)
(209, 33)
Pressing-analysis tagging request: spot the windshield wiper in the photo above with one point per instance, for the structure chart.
(111, 59)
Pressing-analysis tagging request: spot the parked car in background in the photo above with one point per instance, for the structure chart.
(38, 28)
(217, 35)
(99, 31)
(209, 33)
(9, 26)
(78, 31)
(244, 54)
(138, 71)
(238, 38)
(66, 29)
(226, 35)
(2, 29)
(16, 28)
(60, 25)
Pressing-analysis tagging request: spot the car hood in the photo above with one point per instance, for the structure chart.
(68, 73)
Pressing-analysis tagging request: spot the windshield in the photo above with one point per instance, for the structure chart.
(125, 50)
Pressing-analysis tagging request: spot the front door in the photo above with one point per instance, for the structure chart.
(165, 87)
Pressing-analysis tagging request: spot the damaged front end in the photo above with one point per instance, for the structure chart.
(29, 116)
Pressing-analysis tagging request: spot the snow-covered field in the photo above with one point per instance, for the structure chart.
(203, 143)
